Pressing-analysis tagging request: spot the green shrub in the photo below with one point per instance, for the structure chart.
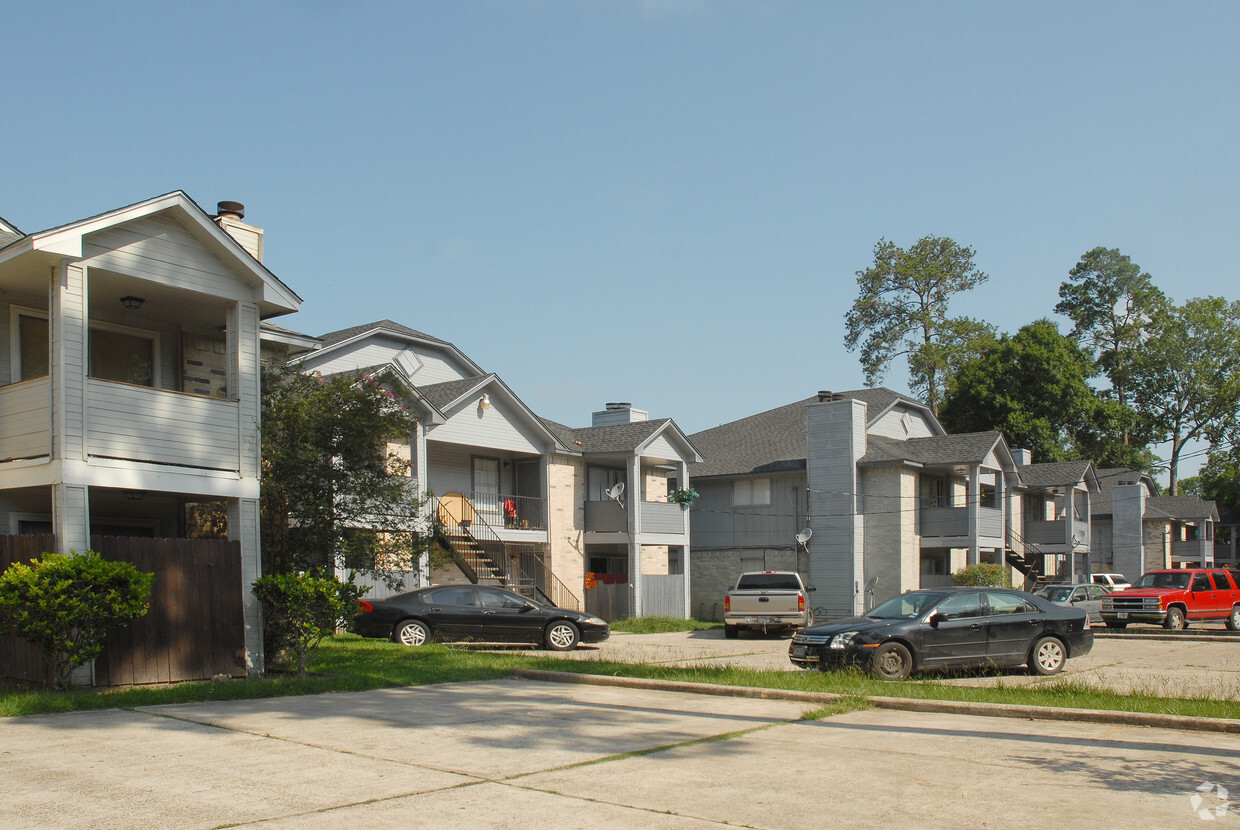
(65, 605)
(300, 610)
(983, 573)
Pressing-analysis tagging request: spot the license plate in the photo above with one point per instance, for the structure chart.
(1123, 615)
(798, 651)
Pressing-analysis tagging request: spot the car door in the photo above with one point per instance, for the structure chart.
(1227, 594)
(1093, 602)
(1012, 624)
(508, 618)
(1205, 602)
(958, 637)
(453, 612)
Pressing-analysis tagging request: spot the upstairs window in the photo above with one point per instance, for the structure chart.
(751, 491)
(115, 352)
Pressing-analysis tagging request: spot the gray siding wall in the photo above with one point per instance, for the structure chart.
(1128, 530)
(716, 523)
(663, 596)
(836, 439)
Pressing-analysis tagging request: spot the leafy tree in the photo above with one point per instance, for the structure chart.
(65, 605)
(1186, 377)
(1032, 386)
(333, 492)
(902, 310)
(1111, 303)
(301, 610)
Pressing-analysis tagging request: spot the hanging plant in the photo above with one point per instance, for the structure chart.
(683, 496)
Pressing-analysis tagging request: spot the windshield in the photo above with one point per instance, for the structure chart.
(904, 607)
(1163, 580)
(1055, 594)
(769, 582)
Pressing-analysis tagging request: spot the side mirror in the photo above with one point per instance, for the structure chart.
(936, 618)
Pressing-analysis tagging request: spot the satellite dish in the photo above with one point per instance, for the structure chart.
(615, 491)
(870, 583)
(803, 536)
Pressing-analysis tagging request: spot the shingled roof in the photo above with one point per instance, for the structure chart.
(1053, 473)
(1183, 508)
(334, 337)
(935, 451)
(609, 439)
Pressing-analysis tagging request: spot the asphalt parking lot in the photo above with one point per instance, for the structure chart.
(522, 754)
(1198, 662)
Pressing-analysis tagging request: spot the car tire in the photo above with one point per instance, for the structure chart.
(1233, 619)
(561, 635)
(731, 632)
(1175, 620)
(412, 633)
(1116, 625)
(891, 661)
(1047, 656)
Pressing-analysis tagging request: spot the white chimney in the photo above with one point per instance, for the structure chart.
(248, 236)
(619, 413)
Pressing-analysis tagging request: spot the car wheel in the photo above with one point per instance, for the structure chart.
(1175, 620)
(412, 633)
(1116, 624)
(1047, 656)
(562, 636)
(1233, 619)
(891, 661)
(731, 632)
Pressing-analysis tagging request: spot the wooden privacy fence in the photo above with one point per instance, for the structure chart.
(663, 595)
(194, 630)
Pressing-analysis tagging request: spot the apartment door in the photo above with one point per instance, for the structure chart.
(486, 490)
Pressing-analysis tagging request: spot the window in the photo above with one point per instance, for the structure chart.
(751, 491)
(1201, 583)
(600, 480)
(933, 492)
(116, 353)
(1010, 603)
(450, 595)
(961, 606)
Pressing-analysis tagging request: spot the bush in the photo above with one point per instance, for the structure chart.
(300, 610)
(65, 605)
(986, 574)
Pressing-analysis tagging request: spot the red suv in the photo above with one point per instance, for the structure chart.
(1176, 597)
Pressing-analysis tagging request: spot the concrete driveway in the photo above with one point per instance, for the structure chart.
(1181, 664)
(523, 754)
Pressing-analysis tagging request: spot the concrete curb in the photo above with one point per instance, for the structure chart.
(949, 707)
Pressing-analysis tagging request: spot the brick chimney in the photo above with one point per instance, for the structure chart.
(249, 237)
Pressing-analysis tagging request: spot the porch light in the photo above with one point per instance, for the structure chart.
(132, 303)
(485, 403)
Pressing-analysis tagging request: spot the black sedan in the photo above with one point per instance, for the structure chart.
(949, 628)
(477, 613)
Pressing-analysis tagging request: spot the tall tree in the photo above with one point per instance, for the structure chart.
(1032, 386)
(333, 492)
(1110, 302)
(1186, 377)
(902, 310)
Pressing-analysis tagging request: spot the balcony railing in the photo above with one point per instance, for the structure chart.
(25, 412)
(1197, 550)
(137, 423)
(954, 521)
(657, 517)
(510, 512)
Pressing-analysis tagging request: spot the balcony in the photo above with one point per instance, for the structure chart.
(508, 512)
(953, 522)
(25, 412)
(656, 517)
(138, 423)
(1196, 550)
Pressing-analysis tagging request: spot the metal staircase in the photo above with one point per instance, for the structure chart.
(485, 559)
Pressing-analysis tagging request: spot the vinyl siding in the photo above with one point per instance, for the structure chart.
(490, 429)
(376, 350)
(25, 412)
(142, 424)
(717, 524)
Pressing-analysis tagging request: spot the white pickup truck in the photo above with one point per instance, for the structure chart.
(767, 601)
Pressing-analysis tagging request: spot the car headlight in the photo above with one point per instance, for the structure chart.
(594, 621)
(842, 639)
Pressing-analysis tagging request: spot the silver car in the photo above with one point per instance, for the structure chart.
(1085, 596)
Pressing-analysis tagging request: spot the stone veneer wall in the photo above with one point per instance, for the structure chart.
(566, 487)
(1157, 547)
(204, 365)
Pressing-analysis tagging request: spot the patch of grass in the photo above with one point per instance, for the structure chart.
(348, 663)
(661, 625)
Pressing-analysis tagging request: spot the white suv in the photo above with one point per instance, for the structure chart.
(1112, 582)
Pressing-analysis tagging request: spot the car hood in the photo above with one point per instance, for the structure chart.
(1146, 592)
(850, 624)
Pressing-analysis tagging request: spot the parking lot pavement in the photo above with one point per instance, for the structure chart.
(519, 753)
(1179, 665)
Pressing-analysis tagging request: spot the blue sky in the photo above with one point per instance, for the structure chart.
(657, 202)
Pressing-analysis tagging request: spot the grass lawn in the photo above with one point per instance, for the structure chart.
(349, 663)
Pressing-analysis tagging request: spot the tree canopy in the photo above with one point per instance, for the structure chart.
(333, 491)
(902, 310)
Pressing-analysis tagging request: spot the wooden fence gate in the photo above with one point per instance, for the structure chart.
(194, 630)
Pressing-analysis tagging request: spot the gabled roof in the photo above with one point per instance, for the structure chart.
(1058, 474)
(1181, 508)
(8, 233)
(66, 241)
(1103, 502)
(443, 396)
(622, 439)
(939, 450)
(341, 338)
(394, 375)
(774, 441)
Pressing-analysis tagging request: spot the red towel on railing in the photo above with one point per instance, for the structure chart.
(510, 508)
